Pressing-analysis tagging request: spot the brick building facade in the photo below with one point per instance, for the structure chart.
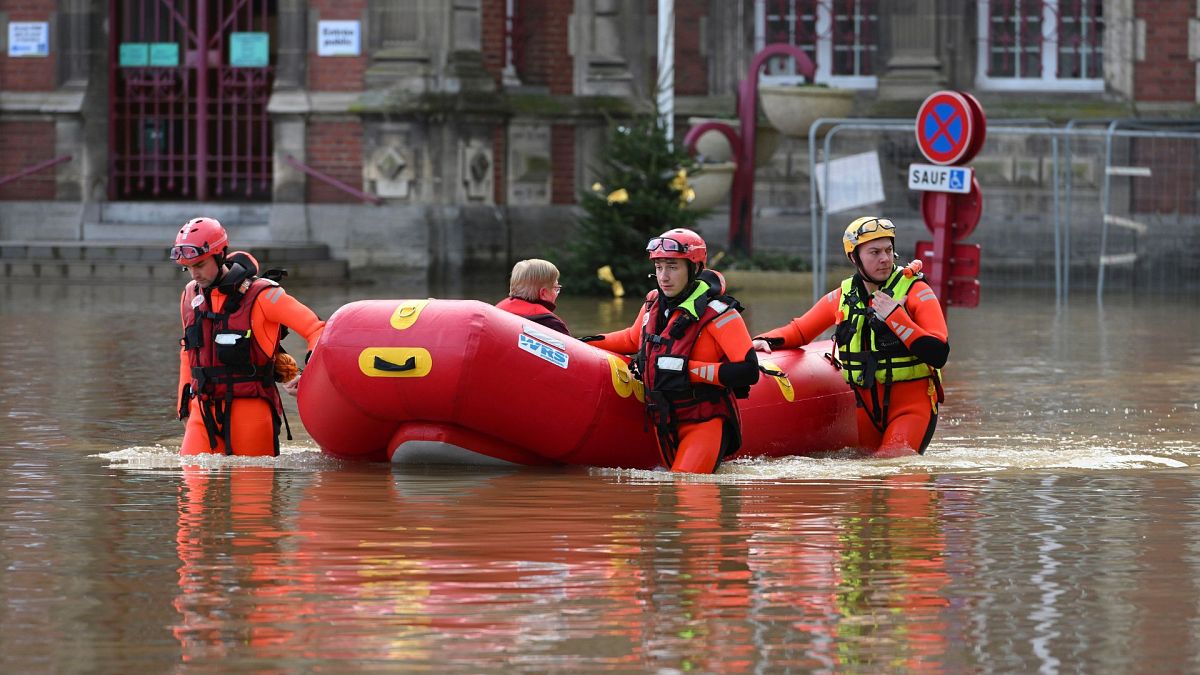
(451, 110)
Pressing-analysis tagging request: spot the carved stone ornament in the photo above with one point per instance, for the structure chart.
(476, 162)
(391, 170)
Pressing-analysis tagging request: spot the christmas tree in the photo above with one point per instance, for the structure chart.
(639, 193)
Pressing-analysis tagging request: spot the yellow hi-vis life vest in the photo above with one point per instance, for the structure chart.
(868, 350)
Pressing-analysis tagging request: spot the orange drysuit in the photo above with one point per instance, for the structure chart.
(897, 418)
(722, 356)
(252, 427)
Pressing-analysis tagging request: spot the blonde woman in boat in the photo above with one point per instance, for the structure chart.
(533, 290)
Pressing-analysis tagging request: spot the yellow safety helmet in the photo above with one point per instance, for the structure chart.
(866, 229)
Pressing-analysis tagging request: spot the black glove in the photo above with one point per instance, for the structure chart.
(591, 338)
(185, 401)
(774, 342)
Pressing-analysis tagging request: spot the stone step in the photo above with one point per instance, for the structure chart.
(164, 230)
(146, 261)
(171, 215)
(122, 251)
(156, 221)
(84, 271)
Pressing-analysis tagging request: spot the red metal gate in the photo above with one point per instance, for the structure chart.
(182, 126)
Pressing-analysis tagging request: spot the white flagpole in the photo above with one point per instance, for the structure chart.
(666, 65)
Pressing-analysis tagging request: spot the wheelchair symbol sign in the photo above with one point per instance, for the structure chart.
(958, 180)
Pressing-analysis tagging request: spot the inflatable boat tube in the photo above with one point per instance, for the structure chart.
(462, 382)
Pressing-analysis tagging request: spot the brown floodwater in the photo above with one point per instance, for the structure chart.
(1054, 524)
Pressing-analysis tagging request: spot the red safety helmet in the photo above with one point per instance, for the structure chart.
(199, 238)
(678, 243)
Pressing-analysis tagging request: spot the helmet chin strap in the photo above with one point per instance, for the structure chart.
(221, 270)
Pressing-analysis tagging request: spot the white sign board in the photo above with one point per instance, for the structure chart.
(28, 38)
(934, 178)
(853, 181)
(339, 38)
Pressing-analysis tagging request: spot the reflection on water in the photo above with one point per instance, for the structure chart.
(1053, 525)
(714, 577)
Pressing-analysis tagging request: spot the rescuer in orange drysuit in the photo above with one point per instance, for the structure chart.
(233, 321)
(693, 352)
(891, 341)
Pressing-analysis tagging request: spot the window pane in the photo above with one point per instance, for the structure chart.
(1080, 38)
(855, 36)
(792, 22)
(1002, 39)
(1015, 38)
(1031, 38)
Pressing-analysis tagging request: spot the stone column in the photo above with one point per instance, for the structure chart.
(509, 74)
(405, 39)
(75, 53)
(1122, 48)
(464, 63)
(289, 104)
(912, 66)
(292, 37)
(600, 40)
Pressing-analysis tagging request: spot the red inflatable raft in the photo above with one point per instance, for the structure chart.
(462, 382)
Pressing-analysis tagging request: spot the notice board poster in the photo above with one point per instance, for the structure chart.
(28, 39)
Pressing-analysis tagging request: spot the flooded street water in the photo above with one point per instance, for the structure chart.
(1053, 525)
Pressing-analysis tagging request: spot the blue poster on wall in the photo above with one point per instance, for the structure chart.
(134, 54)
(164, 54)
(249, 50)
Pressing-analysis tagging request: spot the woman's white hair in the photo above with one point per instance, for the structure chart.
(530, 276)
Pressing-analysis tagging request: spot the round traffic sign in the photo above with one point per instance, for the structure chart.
(965, 210)
(979, 125)
(945, 127)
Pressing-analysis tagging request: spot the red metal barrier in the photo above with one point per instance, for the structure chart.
(330, 180)
(34, 169)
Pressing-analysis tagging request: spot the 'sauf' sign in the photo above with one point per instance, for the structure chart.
(933, 178)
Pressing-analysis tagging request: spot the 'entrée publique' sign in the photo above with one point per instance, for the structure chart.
(339, 38)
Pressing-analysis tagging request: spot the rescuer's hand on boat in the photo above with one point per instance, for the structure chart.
(292, 386)
(766, 344)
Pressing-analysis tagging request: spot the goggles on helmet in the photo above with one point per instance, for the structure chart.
(870, 226)
(667, 244)
(187, 251)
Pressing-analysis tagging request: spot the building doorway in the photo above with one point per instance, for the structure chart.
(189, 82)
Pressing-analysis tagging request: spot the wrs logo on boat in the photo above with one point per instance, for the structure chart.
(543, 346)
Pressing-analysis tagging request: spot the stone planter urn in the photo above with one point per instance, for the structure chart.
(715, 147)
(793, 109)
(711, 183)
